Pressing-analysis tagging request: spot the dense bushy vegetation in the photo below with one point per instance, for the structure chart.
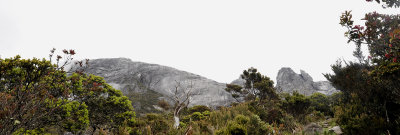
(40, 97)
(37, 96)
(370, 87)
(283, 116)
(274, 114)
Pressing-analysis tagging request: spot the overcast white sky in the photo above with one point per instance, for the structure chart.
(217, 39)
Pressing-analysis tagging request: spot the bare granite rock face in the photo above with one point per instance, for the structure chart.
(129, 76)
(325, 87)
(239, 81)
(289, 81)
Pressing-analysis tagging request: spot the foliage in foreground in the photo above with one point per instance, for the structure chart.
(36, 95)
(252, 117)
(370, 87)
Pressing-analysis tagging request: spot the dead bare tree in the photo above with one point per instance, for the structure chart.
(181, 97)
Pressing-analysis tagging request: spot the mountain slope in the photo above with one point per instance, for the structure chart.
(153, 80)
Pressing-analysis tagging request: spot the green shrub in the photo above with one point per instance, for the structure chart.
(206, 113)
(321, 103)
(199, 108)
(241, 119)
(236, 129)
(257, 127)
(182, 124)
(158, 126)
(297, 105)
(221, 132)
(186, 119)
(152, 116)
(234, 103)
(22, 131)
(232, 128)
(204, 127)
(76, 117)
(289, 122)
(155, 123)
(354, 119)
(196, 116)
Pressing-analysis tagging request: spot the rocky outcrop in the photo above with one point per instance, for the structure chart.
(312, 128)
(336, 130)
(138, 77)
(289, 81)
(239, 82)
(325, 87)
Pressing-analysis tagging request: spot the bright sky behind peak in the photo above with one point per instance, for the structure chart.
(217, 39)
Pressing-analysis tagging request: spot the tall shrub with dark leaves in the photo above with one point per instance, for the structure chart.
(370, 86)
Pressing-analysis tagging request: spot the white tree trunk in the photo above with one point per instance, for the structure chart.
(176, 124)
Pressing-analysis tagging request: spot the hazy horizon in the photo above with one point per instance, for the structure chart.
(214, 39)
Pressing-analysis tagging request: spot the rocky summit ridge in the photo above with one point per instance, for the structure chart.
(289, 81)
(146, 84)
(134, 78)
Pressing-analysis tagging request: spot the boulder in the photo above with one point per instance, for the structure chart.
(312, 128)
(336, 130)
